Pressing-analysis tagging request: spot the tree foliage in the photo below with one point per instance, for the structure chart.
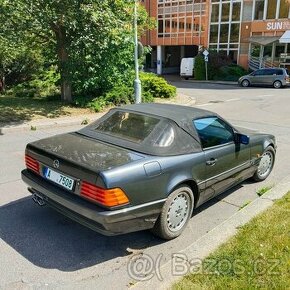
(90, 41)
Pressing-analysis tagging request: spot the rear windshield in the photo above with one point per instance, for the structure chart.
(143, 133)
(129, 126)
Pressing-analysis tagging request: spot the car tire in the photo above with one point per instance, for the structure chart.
(245, 83)
(266, 164)
(277, 84)
(175, 214)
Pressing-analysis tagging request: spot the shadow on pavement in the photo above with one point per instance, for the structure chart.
(49, 240)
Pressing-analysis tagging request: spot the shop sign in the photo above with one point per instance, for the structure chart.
(278, 25)
(265, 26)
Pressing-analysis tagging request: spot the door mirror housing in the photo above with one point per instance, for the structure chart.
(242, 139)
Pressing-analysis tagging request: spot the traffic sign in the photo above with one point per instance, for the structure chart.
(205, 53)
(206, 58)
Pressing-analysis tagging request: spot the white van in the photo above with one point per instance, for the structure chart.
(187, 67)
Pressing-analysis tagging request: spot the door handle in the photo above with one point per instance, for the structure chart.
(211, 162)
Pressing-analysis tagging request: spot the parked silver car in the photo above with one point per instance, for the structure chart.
(276, 77)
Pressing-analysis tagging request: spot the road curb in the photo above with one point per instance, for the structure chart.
(36, 125)
(212, 82)
(46, 123)
(202, 247)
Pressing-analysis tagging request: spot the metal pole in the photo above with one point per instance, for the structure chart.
(206, 78)
(137, 82)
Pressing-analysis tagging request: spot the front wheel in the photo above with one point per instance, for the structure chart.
(266, 164)
(175, 214)
(245, 83)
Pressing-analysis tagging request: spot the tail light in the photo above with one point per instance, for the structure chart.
(31, 163)
(106, 197)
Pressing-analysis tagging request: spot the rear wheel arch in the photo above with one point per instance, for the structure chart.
(192, 185)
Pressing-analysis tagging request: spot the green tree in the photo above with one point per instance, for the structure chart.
(89, 40)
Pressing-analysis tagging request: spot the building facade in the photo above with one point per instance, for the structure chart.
(254, 33)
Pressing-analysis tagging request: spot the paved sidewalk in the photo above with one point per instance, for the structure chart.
(165, 276)
(181, 99)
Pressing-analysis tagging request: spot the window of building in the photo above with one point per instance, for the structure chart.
(284, 9)
(225, 12)
(215, 13)
(225, 26)
(247, 11)
(214, 33)
(259, 9)
(179, 18)
(280, 48)
(224, 33)
(236, 11)
(271, 9)
(235, 32)
(255, 50)
(160, 26)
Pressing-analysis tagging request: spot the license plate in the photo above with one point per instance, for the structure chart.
(59, 178)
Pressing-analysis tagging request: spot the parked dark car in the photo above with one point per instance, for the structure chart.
(144, 166)
(275, 77)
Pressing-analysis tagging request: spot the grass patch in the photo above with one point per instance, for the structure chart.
(19, 109)
(263, 190)
(245, 204)
(256, 258)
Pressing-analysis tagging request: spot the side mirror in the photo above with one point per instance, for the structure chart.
(242, 139)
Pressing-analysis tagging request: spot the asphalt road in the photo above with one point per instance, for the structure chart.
(40, 248)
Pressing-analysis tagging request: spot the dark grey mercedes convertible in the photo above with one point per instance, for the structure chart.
(144, 166)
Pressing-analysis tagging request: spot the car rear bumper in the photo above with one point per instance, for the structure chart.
(106, 222)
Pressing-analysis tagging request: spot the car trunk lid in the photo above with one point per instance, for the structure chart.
(79, 157)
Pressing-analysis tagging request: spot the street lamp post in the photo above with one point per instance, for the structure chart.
(137, 82)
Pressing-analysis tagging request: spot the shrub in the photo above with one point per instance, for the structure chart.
(120, 95)
(156, 86)
(220, 67)
(98, 104)
(199, 68)
(230, 73)
(41, 85)
(152, 87)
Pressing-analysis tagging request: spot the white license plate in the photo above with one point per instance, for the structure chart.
(59, 178)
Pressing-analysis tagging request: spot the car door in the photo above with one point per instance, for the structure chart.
(224, 158)
(257, 77)
(268, 76)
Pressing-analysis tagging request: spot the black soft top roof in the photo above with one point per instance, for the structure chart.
(181, 115)
(180, 118)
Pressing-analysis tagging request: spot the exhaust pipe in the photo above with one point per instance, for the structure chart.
(37, 198)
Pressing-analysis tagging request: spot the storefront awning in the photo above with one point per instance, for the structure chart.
(285, 38)
(263, 40)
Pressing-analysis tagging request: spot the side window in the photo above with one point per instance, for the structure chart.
(258, 72)
(213, 131)
(279, 72)
(269, 72)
